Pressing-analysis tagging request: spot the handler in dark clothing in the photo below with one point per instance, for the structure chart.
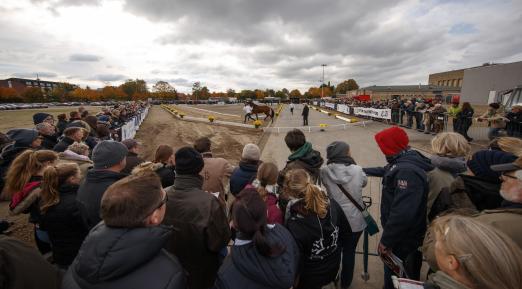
(202, 228)
(404, 198)
(126, 249)
(305, 113)
(109, 160)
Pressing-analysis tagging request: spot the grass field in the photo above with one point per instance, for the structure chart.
(24, 118)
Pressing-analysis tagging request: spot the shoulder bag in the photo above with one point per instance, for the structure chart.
(371, 226)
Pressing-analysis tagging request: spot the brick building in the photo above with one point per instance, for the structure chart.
(377, 92)
(453, 78)
(20, 84)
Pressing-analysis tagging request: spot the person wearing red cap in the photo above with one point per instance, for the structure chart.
(403, 203)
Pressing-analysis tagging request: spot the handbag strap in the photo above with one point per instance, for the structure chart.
(350, 198)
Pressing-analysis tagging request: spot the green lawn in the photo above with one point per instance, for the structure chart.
(24, 118)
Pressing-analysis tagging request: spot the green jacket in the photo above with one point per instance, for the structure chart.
(452, 111)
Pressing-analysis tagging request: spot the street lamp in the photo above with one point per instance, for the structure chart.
(322, 86)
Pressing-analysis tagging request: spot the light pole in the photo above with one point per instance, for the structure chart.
(322, 86)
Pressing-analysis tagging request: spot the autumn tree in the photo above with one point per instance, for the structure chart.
(231, 92)
(259, 94)
(33, 94)
(164, 90)
(247, 94)
(345, 86)
(113, 93)
(270, 93)
(9, 94)
(132, 86)
(295, 93)
(62, 92)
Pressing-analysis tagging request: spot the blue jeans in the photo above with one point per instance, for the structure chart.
(348, 262)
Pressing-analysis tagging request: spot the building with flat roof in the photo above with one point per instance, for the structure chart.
(20, 84)
(378, 92)
(453, 78)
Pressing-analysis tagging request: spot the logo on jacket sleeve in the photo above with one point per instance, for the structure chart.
(402, 184)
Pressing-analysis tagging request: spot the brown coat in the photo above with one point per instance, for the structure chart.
(69, 157)
(201, 230)
(216, 174)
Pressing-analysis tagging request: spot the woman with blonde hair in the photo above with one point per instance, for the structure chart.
(23, 181)
(266, 185)
(77, 153)
(318, 225)
(507, 144)
(60, 214)
(473, 255)
(450, 150)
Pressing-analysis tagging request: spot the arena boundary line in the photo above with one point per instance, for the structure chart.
(316, 128)
(209, 111)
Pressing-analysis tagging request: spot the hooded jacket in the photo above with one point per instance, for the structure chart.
(64, 225)
(404, 197)
(91, 192)
(353, 179)
(304, 158)
(245, 267)
(201, 227)
(319, 241)
(82, 161)
(167, 175)
(125, 258)
(243, 175)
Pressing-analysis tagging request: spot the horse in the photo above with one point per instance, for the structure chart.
(267, 110)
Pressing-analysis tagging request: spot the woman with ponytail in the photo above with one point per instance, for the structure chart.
(23, 182)
(263, 255)
(60, 213)
(266, 185)
(319, 227)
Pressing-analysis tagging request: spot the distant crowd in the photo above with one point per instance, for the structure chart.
(431, 116)
(103, 217)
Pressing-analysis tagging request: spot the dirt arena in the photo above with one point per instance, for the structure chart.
(232, 112)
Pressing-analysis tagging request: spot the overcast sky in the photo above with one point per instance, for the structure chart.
(247, 44)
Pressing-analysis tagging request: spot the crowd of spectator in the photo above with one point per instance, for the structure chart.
(432, 116)
(105, 218)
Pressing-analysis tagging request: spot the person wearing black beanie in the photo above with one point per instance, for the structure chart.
(200, 220)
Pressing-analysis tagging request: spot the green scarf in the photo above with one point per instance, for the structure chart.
(301, 152)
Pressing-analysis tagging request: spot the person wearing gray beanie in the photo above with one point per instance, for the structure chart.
(109, 160)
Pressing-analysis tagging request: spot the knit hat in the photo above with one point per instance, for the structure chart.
(251, 152)
(481, 162)
(188, 161)
(392, 140)
(108, 153)
(337, 149)
(40, 117)
(22, 137)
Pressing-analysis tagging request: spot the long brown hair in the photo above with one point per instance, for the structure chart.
(163, 153)
(298, 185)
(24, 166)
(53, 178)
(266, 175)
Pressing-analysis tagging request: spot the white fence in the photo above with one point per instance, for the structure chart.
(373, 112)
(129, 129)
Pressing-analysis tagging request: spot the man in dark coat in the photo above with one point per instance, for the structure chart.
(126, 249)
(109, 160)
(71, 135)
(23, 267)
(48, 133)
(132, 156)
(305, 113)
(246, 172)
(404, 199)
(302, 156)
(202, 229)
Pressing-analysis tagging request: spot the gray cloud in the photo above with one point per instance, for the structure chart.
(109, 77)
(34, 74)
(84, 57)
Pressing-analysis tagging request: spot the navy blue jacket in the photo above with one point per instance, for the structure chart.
(242, 176)
(404, 197)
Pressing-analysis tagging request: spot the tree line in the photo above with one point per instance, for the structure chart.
(136, 89)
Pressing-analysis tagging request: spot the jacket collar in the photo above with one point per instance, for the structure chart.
(187, 182)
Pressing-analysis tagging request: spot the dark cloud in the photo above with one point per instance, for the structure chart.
(84, 57)
(109, 77)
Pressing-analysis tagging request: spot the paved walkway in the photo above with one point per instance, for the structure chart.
(365, 152)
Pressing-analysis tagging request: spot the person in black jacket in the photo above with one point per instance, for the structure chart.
(246, 172)
(165, 156)
(464, 120)
(60, 214)
(514, 121)
(319, 226)
(263, 256)
(109, 160)
(48, 133)
(62, 123)
(126, 249)
(404, 200)
(71, 135)
(132, 156)
(305, 113)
